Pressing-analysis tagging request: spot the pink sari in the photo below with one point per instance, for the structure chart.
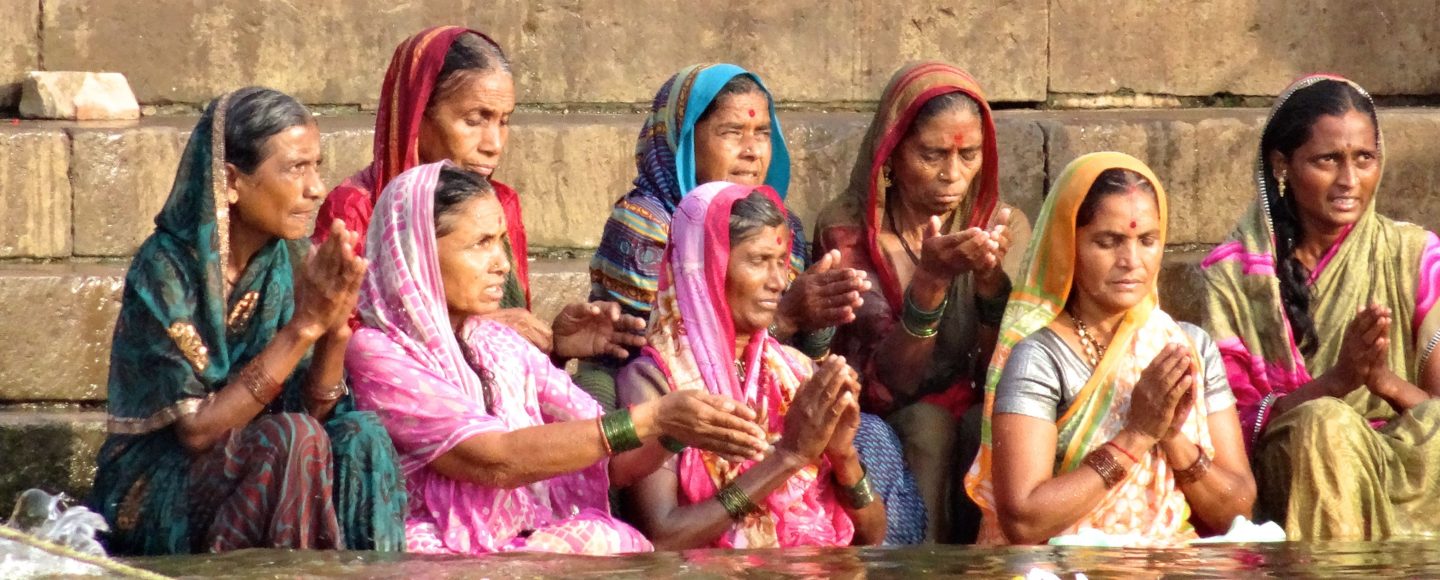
(407, 366)
(692, 341)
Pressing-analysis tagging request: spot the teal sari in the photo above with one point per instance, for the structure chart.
(182, 333)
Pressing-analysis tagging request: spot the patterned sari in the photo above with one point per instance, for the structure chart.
(433, 391)
(409, 83)
(1147, 503)
(1331, 469)
(285, 480)
(692, 341)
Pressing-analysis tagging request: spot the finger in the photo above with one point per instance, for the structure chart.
(731, 406)
(826, 262)
(1001, 222)
(837, 282)
(933, 228)
(730, 414)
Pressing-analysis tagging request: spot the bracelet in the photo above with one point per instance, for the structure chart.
(859, 495)
(334, 393)
(1126, 452)
(618, 430)
(256, 380)
(923, 333)
(991, 311)
(1261, 415)
(672, 444)
(1104, 463)
(924, 316)
(600, 425)
(736, 502)
(1195, 472)
(815, 344)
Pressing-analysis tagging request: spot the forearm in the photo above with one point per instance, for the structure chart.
(1059, 502)
(247, 391)
(1399, 393)
(870, 523)
(632, 466)
(1220, 494)
(1327, 385)
(901, 353)
(700, 524)
(327, 370)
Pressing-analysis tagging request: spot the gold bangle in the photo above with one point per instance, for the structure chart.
(1195, 472)
(259, 382)
(1104, 463)
(334, 393)
(736, 502)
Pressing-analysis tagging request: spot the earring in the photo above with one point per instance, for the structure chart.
(885, 179)
(233, 197)
(1281, 183)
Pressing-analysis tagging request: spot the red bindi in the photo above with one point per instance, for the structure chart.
(752, 113)
(959, 141)
(1132, 224)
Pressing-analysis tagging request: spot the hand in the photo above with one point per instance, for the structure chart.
(527, 324)
(815, 411)
(824, 295)
(1161, 386)
(946, 256)
(1184, 406)
(991, 281)
(586, 330)
(842, 443)
(1364, 347)
(711, 422)
(329, 283)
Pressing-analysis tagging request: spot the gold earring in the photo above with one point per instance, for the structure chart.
(233, 197)
(1281, 183)
(885, 178)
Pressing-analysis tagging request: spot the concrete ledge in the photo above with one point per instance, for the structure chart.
(49, 450)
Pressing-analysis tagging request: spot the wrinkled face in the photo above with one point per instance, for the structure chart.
(758, 272)
(281, 196)
(1334, 174)
(470, 124)
(733, 142)
(472, 255)
(934, 165)
(1117, 256)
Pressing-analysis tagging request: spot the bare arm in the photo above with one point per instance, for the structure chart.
(1228, 488)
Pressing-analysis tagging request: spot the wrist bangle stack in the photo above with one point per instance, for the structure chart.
(334, 393)
(256, 380)
(618, 431)
(1195, 472)
(1104, 463)
(815, 344)
(672, 444)
(859, 495)
(922, 323)
(736, 502)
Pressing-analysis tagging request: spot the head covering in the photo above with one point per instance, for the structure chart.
(852, 224)
(1246, 316)
(1147, 504)
(409, 83)
(692, 340)
(626, 264)
(181, 332)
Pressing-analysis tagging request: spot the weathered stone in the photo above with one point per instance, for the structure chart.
(121, 178)
(77, 96)
(569, 170)
(1182, 289)
(563, 51)
(1245, 47)
(50, 450)
(556, 283)
(34, 192)
(1410, 187)
(19, 46)
(58, 330)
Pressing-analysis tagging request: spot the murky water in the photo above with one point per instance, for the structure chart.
(1290, 560)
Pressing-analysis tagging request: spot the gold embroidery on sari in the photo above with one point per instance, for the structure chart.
(190, 344)
(161, 418)
(129, 513)
(242, 312)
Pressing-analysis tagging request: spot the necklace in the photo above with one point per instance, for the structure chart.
(1094, 351)
(740, 371)
(904, 244)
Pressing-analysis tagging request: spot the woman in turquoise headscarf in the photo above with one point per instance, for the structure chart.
(225, 432)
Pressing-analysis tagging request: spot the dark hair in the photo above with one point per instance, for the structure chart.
(455, 187)
(1289, 129)
(947, 103)
(750, 214)
(742, 84)
(252, 117)
(1113, 181)
(469, 54)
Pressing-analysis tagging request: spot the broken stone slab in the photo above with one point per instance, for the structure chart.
(77, 96)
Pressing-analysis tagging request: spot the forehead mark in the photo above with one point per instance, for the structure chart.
(752, 113)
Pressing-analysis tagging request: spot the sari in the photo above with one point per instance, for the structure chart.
(408, 85)
(433, 391)
(692, 342)
(1330, 468)
(1147, 506)
(286, 480)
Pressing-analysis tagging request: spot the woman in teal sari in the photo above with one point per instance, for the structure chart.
(230, 423)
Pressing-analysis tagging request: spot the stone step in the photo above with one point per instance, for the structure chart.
(49, 449)
(59, 340)
(93, 189)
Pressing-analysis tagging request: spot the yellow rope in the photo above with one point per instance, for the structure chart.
(65, 552)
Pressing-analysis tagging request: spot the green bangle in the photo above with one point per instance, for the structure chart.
(859, 495)
(927, 331)
(619, 431)
(736, 502)
(815, 344)
(672, 444)
(991, 311)
(925, 316)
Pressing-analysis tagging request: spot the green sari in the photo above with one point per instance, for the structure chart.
(181, 334)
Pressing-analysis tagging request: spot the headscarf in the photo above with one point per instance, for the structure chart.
(626, 265)
(692, 340)
(852, 223)
(1147, 503)
(409, 84)
(182, 331)
(1377, 261)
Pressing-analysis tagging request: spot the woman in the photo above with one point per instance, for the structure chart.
(710, 336)
(475, 410)
(923, 218)
(225, 432)
(1323, 313)
(448, 95)
(1107, 414)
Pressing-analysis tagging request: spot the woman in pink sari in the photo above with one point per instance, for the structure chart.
(720, 284)
(475, 410)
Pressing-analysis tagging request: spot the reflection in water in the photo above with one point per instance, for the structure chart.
(1287, 560)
